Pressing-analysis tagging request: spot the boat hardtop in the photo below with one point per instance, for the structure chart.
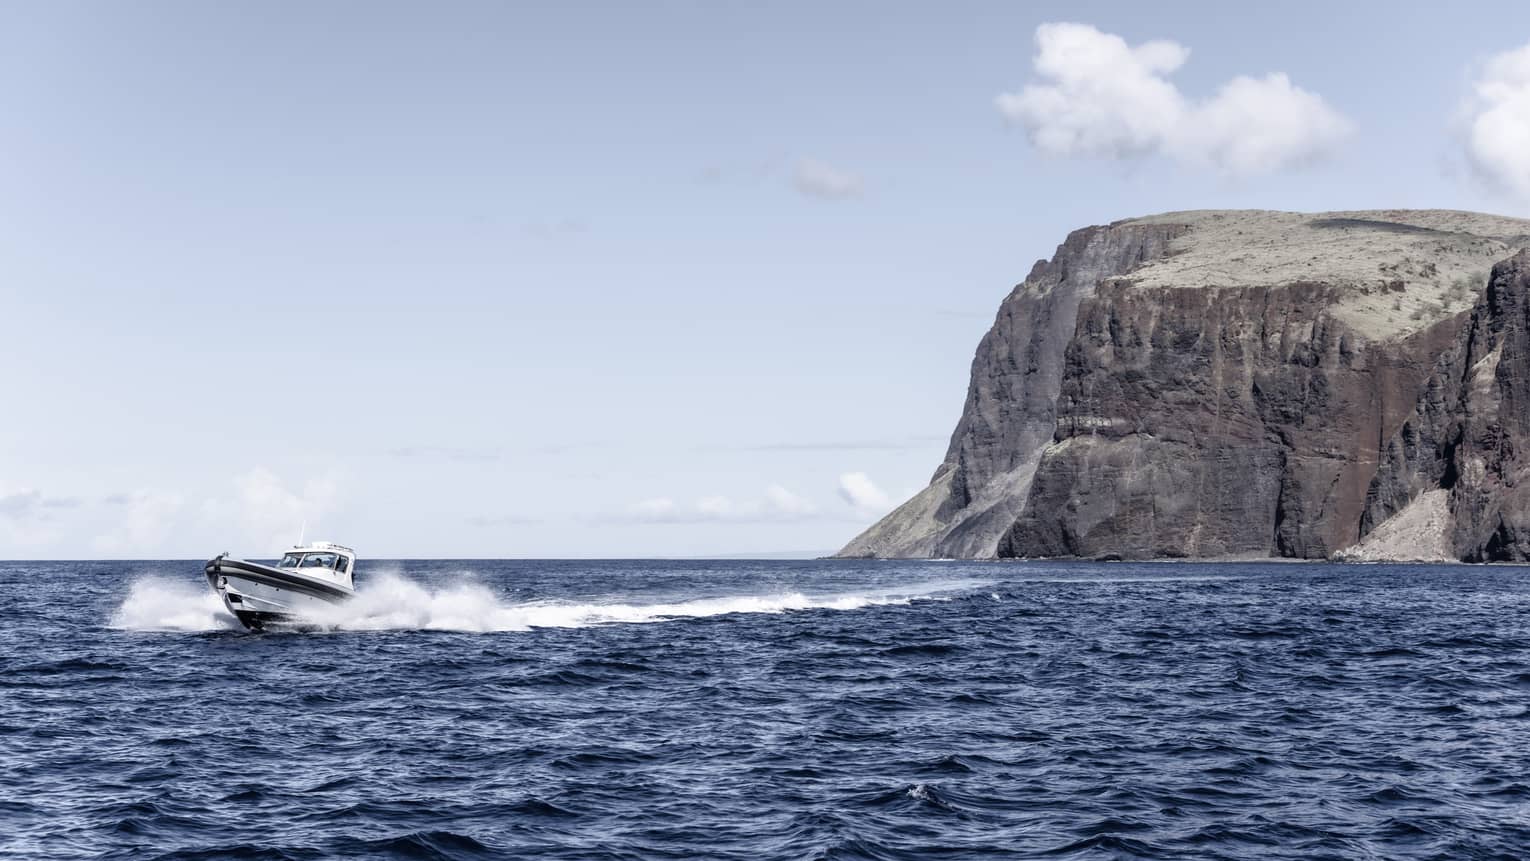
(320, 559)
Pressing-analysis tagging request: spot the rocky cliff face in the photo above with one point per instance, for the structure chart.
(1466, 443)
(1010, 414)
(1240, 383)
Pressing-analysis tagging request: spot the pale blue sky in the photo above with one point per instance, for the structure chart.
(505, 280)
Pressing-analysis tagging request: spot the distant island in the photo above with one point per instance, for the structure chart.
(1247, 384)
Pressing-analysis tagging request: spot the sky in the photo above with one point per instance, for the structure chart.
(620, 279)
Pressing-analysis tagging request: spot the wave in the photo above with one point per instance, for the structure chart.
(393, 602)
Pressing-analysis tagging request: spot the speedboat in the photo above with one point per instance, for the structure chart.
(309, 577)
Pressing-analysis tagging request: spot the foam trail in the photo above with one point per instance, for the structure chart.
(163, 604)
(391, 603)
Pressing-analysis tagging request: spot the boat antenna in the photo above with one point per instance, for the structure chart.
(302, 533)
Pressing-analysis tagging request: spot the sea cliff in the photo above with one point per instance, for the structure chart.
(1246, 384)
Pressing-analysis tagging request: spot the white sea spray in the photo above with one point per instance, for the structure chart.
(391, 601)
(160, 603)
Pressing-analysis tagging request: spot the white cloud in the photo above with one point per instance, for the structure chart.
(657, 509)
(1103, 97)
(21, 504)
(29, 516)
(1498, 135)
(28, 503)
(868, 500)
(784, 503)
(777, 505)
(147, 518)
(266, 513)
(24, 516)
(816, 179)
(714, 506)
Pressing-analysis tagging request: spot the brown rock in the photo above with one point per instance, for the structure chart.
(1469, 433)
(1226, 383)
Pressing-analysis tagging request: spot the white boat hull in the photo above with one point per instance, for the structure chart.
(260, 596)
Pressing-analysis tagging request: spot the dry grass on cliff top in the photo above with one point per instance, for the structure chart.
(1402, 270)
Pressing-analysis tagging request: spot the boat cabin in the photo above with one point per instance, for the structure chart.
(321, 559)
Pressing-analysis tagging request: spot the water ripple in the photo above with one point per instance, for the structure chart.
(773, 710)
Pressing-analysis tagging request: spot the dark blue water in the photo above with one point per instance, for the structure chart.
(864, 710)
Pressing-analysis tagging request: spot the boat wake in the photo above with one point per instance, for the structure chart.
(165, 604)
(393, 602)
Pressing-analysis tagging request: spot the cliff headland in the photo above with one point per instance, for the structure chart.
(1247, 383)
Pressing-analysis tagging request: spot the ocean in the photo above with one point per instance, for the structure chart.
(772, 710)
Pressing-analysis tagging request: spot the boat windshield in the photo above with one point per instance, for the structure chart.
(332, 561)
(319, 560)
